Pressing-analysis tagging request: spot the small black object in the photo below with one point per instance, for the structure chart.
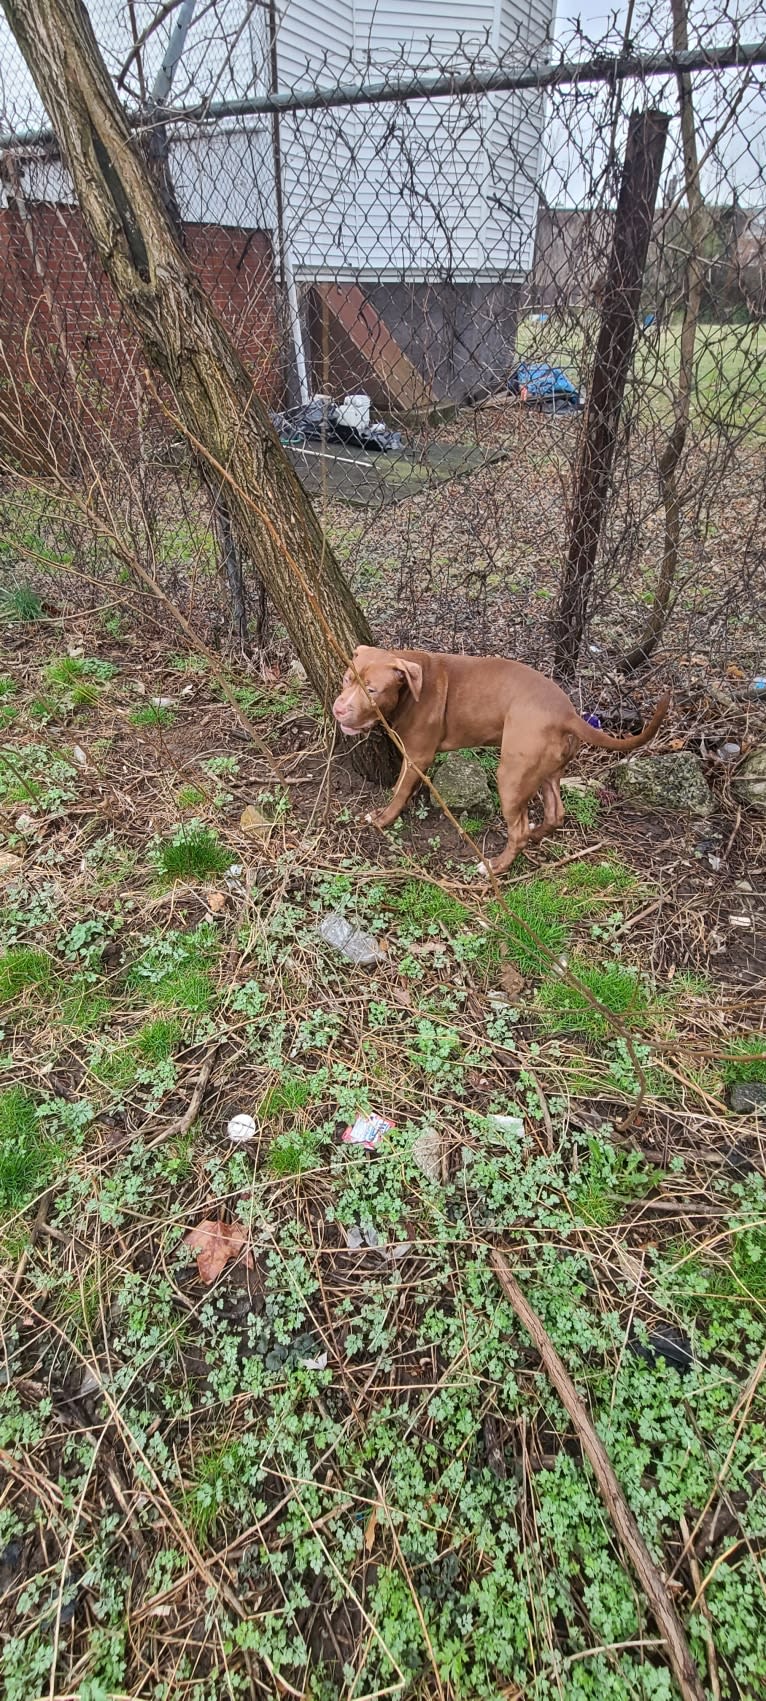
(739, 1158)
(668, 1344)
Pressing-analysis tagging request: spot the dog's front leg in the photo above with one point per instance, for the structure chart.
(407, 783)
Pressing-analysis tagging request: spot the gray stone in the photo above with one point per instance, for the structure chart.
(675, 782)
(746, 1096)
(749, 783)
(463, 784)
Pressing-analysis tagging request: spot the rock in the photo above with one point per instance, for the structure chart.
(9, 865)
(297, 673)
(463, 784)
(747, 1096)
(749, 783)
(675, 781)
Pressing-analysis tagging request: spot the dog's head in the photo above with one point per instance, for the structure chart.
(374, 679)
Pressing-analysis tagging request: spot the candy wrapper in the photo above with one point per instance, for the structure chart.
(367, 1131)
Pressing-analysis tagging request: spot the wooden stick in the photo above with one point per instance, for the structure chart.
(667, 1619)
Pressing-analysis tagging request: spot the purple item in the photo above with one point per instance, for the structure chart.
(593, 720)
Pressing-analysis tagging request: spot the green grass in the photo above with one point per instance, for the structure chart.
(152, 715)
(420, 903)
(7, 686)
(189, 797)
(83, 1007)
(20, 603)
(535, 906)
(27, 1158)
(25, 969)
(293, 1154)
(194, 853)
(292, 1093)
(158, 1040)
(583, 805)
(564, 1008)
(729, 364)
(746, 1059)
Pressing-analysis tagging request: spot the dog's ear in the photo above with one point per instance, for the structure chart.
(412, 672)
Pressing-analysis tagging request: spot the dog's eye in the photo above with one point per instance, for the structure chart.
(372, 690)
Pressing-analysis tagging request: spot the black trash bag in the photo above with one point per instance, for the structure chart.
(318, 420)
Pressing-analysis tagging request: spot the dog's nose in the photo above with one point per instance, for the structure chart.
(337, 708)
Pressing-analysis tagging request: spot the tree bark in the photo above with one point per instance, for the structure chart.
(694, 280)
(188, 347)
(622, 293)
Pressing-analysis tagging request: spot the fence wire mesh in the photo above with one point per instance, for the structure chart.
(433, 267)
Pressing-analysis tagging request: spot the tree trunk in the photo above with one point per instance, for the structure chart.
(693, 288)
(622, 294)
(188, 347)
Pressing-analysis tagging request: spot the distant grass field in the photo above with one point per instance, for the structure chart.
(730, 367)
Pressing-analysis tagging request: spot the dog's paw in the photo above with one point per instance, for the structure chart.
(376, 818)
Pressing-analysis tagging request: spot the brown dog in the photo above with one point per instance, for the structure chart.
(438, 702)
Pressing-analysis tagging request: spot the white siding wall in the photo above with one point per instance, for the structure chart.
(430, 189)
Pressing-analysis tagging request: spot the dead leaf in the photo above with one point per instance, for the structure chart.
(369, 1533)
(9, 864)
(511, 981)
(402, 995)
(215, 1243)
(428, 1154)
(216, 901)
(254, 822)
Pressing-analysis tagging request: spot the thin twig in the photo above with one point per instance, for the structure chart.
(667, 1619)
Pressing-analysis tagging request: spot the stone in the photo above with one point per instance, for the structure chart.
(749, 783)
(675, 781)
(9, 865)
(747, 1096)
(463, 784)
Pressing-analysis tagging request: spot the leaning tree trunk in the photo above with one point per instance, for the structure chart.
(187, 345)
(694, 278)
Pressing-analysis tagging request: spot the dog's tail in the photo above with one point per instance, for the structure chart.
(594, 735)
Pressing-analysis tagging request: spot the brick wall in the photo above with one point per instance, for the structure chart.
(65, 351)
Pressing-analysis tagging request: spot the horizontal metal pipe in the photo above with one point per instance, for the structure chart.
(439, 85)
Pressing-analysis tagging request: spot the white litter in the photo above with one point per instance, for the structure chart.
(241, 1128)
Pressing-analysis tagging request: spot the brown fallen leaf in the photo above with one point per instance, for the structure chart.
(511, 981)
(254, 822)
(216, 901)
(215, 1243)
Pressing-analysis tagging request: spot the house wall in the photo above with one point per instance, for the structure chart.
(65, 349)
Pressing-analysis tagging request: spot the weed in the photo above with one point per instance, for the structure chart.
(152, 715)
(193, 853)
(20, 603)
(7, 686)
(33, 774)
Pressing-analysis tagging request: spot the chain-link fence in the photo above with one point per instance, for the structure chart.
(501, 284)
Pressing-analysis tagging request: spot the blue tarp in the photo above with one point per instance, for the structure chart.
(544, 383)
